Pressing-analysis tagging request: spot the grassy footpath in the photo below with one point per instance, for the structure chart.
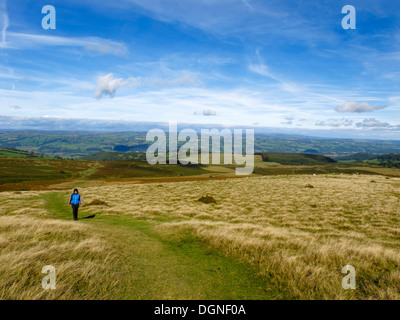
(153, 266)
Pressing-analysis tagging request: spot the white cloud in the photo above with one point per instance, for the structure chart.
(209, 112)
(335, 123)
(288, 120)
(234, 107)
(108, 85)
(372, 123)
(353, 106)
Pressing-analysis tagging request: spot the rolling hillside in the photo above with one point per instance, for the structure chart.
(295, 158)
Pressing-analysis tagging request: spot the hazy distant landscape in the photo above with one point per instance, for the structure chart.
(77, 144)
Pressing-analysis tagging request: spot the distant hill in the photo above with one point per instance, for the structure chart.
(139, 148)
(77, 144)
(113, 156)
(362, 156)
(14, 153)
(69, 144)
(287, 158)
(389, 160)
(394, 157)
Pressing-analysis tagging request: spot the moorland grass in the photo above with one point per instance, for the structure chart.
(265, 238)
(299, 238)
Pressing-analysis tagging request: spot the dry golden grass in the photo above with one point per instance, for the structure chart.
(297, 237)
(83, 260)
(22, 203)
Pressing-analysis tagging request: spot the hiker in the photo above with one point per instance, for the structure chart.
(74, 201)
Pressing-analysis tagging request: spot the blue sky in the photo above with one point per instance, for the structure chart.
(285, 65)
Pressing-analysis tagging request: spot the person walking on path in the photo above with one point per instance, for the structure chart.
(74, 201)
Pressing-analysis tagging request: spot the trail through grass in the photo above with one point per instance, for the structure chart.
(153, 266)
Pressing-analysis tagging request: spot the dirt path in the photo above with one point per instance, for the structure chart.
(154, 267)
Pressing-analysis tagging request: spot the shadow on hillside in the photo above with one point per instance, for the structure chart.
(88, 217)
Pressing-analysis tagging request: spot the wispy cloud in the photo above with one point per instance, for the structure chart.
(247, 4)
(107, 84)
(262, 69)
(89, 44)
(4, 23)
(227, 17)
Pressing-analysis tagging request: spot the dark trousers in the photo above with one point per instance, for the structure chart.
(75, 210)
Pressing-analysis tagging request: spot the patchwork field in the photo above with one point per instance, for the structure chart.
(261, 237)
